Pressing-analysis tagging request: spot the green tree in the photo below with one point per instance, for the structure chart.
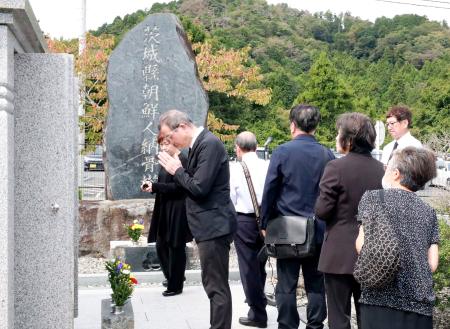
(329, 93)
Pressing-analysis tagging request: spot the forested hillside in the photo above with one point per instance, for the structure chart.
(335, 61)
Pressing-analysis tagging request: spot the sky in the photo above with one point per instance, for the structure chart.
(62, 18)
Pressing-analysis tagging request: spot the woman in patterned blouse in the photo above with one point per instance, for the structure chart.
(408, 301)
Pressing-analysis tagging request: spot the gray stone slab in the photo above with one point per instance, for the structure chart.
(110, 320)
(139, 258)
(151, 71)
(44, 191)
(24, 25)
(6, 179)
(145, 258)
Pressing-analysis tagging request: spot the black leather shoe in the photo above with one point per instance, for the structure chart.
(252, 323)
(168, 293)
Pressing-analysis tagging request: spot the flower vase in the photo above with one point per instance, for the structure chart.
(118, 309)
(135, 243)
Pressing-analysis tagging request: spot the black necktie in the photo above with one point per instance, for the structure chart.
(392, 153)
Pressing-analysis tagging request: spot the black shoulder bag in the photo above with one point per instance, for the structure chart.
(292, 236)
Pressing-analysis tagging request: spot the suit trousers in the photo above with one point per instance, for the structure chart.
(339, 289)
(248, 243)
(162, 248)
(173, 264)
(288, 272)
(214, 261)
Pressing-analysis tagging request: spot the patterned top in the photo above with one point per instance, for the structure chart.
(416, 226)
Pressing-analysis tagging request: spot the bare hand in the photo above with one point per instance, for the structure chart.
(147, 186)
(171, 164)
(263, 232)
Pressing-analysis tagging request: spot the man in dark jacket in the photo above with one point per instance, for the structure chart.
(291, 188)
(210, 213)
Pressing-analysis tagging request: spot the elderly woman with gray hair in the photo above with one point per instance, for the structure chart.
(407, 301)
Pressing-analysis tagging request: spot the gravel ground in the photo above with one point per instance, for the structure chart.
(91, 265)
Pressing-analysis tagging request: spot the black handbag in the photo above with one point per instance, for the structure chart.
(379, 259)
(290, 237)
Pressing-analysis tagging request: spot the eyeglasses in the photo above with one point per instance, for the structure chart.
(169, 135)
(391, 124)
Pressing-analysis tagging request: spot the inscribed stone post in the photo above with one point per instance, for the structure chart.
(151, 71)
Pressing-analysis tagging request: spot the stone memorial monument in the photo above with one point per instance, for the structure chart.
(38, 199)
(151, 71)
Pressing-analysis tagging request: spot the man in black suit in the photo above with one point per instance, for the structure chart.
(210, 213)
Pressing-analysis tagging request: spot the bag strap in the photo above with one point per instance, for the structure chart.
(251, 190)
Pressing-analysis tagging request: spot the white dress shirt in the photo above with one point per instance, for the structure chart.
(197, 133)
(404, 141)
(239, 192)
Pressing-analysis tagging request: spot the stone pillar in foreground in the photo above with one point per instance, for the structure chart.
(38, 200)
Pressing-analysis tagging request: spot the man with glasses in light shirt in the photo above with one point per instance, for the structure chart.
(248, 240)
(398, 122)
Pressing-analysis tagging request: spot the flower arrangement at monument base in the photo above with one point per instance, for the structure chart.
(135, 230)
(122, 283)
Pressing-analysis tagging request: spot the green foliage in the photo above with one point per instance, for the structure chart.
(442, 276)
(368, 67)
(328, 92)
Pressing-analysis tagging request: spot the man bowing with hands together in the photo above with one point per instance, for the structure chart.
(210, 213)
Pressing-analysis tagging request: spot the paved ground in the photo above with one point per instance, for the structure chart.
(190, 310)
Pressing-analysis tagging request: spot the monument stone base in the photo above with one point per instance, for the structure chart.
(110, 320)
(143, 258)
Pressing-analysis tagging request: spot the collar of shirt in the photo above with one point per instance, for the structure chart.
(404, 139)
(249, 156)
(197, 132)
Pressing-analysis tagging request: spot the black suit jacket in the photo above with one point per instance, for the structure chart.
(343, 183)
(206, 181)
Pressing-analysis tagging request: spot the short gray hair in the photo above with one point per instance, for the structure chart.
(173, 119)
(417, 166)
(246, 141)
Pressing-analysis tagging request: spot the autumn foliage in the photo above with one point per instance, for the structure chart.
(226, 71)
(90, 66)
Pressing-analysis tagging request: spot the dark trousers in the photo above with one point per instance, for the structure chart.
(285, 293)
(339, 289)
(379, 317)
(248, 243)
(214, 260)
(173, 264)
